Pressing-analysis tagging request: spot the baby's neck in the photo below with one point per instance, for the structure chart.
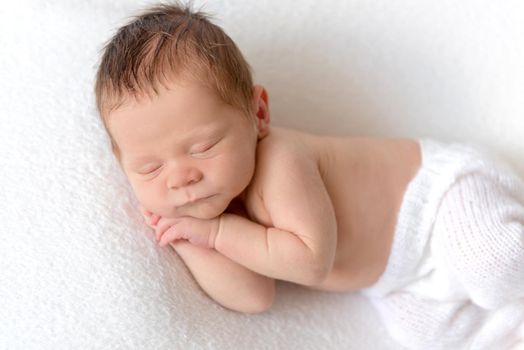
(237, 206)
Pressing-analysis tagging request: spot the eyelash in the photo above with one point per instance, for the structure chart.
(200, 151)
(150, 171)
(205, 148)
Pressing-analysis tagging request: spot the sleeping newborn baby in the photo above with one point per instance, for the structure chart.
(432, 233)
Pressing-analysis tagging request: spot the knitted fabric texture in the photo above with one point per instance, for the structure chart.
(456, 267)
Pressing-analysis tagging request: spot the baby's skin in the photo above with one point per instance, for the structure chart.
(245, 204)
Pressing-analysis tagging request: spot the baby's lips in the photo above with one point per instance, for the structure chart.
(186, 196)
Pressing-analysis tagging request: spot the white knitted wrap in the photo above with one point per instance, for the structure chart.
(457, 262)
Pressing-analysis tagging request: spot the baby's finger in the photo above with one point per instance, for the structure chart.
(168, 236)
(146, 214)
(161, 228)
(154, 219)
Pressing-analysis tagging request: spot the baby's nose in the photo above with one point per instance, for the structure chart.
(181, 178)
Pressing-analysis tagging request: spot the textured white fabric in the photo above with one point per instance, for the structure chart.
(78, 268)
(457, 263)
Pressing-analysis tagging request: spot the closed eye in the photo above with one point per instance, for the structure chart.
(149, 170)
(201, 150)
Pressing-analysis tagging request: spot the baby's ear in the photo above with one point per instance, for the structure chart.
(261, 109)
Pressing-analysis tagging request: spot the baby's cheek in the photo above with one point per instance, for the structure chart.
(148, 198)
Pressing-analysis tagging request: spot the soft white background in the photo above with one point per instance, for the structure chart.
(79, 269)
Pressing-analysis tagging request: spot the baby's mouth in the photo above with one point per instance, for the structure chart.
(192, 208)
(207, 197)
(197, 200)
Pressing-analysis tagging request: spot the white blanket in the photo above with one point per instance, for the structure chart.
(78, 267)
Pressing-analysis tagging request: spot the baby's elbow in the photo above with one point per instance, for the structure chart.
(318, 271)
(317, 274)
(262, 303)
(318, 262)
(263, 300)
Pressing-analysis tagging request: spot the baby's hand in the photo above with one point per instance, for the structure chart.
(150, 218)
(199, 232)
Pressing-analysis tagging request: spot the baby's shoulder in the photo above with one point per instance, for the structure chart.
(282, 141)
(283, 151)
(282, 154)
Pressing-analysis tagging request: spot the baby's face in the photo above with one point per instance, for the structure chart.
(185, 152)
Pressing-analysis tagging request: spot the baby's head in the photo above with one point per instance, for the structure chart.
(178, 102)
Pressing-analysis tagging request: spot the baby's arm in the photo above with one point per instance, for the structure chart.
(228, 283)
(300, 247)
(300, 244)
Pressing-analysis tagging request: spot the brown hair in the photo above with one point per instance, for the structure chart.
(165, 41)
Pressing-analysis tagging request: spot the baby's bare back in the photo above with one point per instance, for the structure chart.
(366, 179)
